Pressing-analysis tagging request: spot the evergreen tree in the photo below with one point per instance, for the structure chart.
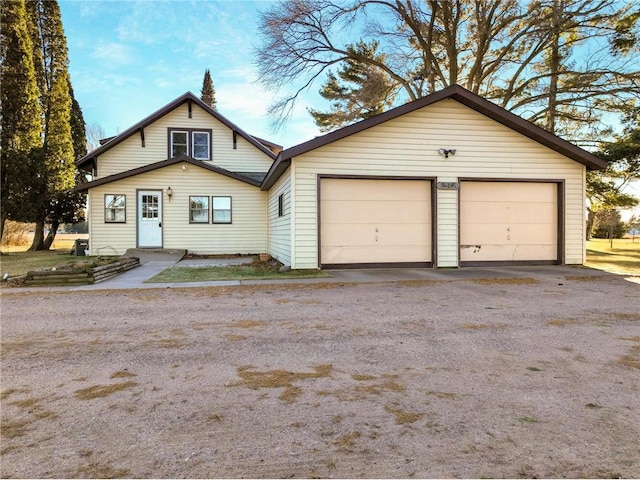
(364, 92)
(208, 93)
(68, 205)
(20, 122)
(56, 163)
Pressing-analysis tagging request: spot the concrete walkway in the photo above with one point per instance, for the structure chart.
(154, 262)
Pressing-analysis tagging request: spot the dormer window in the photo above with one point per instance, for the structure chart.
(193, 143)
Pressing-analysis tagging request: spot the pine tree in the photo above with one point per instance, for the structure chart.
(56, 163)
(68, 205)
(360, 91)
(208, 93)
(21, 113)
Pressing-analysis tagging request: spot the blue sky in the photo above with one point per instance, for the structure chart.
(127, 59)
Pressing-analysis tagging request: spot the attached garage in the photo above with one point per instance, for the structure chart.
(510, 222)
(374, 221)
(448, 180)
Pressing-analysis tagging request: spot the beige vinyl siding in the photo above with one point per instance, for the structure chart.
(447, 226)
(407, 146)
(130, 154)
(279, 228)
(246, 234)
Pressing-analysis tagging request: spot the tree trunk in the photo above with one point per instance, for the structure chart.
(554, 70)
(51, 236)
(2, 222)
(38, 237)
(591, 218)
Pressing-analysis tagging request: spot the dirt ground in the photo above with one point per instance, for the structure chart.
(467, 378)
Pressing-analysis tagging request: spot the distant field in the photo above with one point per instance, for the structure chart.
(63, 241)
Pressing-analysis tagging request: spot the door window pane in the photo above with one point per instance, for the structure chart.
(150, 207)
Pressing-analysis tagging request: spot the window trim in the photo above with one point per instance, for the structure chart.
(281, 205)
(213, 210)
(193, 143)
(171, 143)
(205, 222)
(123, 208)
(190, 134)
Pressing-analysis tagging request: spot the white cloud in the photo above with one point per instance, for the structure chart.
(112, 53)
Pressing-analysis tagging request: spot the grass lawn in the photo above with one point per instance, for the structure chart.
(623, 258)
(254, 271)
(19, 263)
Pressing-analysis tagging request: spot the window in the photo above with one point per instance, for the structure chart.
(179, 144)
(221, 209)
(200, 145)
(114, 208)
(193, 143)
(198, 209)
(150, 207)
(281, 205)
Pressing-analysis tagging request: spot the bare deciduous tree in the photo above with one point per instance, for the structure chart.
(549, 61)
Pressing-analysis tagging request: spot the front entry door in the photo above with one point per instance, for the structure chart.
(149, 218)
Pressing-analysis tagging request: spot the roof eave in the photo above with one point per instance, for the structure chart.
(165, 163)
(461, 95)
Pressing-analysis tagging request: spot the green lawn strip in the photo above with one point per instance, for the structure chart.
(19, 263)
(623, 258)
(232, 272)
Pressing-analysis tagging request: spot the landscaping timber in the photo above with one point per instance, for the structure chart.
(80, 276)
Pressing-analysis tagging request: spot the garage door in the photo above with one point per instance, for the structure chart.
(368, 222)
(508, 222)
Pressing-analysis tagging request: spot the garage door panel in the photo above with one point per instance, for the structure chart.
(383, 190)
(509, 234)
(371, 212)
(516, 212)
(508, 221)
(513, 253)
(366, 235)
(522, 192)
(375, 221)
(368, 254)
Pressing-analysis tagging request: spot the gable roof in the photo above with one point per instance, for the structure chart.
(454, 92)
(166, 163)
(188, 97)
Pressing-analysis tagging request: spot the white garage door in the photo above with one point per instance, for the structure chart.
(508, 222)
(367, 222)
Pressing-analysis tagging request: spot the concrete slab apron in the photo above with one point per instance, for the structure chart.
(153, 263)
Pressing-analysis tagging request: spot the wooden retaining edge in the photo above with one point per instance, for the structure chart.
(106, 276)
(94, 275)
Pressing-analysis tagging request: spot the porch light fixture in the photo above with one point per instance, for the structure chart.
(169, 193)
(446, 152)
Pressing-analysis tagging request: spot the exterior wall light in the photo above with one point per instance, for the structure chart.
(446, 152)
(169, 193)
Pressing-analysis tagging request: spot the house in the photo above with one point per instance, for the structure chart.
(448, 180)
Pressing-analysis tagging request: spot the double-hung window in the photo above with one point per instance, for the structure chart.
(115, 209)
(221, 209)
(193, 143)
(198, 209)
(179, 144)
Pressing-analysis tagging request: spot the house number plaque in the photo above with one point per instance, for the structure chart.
(447, 185)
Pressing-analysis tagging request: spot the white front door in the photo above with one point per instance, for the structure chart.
(150, 218)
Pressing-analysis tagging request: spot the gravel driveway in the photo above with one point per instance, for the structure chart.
(513, 377)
